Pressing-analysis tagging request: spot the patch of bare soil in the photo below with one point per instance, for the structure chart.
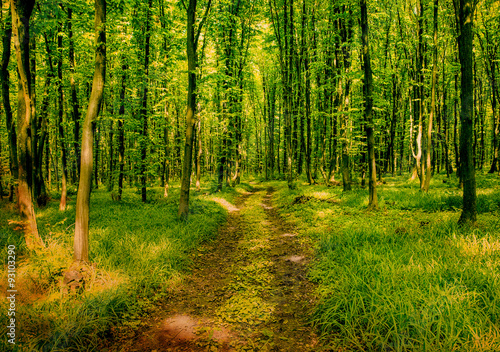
(247, 291)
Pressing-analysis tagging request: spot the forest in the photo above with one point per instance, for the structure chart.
(250, 175)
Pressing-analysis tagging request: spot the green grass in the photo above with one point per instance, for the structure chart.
(136, 250)
(405, 278)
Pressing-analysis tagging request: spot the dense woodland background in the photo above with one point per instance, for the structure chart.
(266, 73)
(322, 102)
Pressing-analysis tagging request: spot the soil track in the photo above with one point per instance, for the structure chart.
(247, 290)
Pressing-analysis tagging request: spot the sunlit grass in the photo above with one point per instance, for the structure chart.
(405, 278)
(136, 249)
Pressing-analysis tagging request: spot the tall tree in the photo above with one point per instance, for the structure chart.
(464, 13)
(428, 170)
(75, 106)
(193, 35)
(81, 241)
(5, 77)
(368, 113)
(60, 112)
(21, 12)
(144, 107)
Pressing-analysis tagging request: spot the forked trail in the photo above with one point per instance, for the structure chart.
(247, 290)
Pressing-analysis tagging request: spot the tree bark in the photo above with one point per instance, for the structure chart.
(192, 43)
(121, 131)
(21, 13)
(367, 90)
(143, 112)
(81, 241)
(75, 111)
(427, 180)
(60, 112)
(464, 11)
(11, 127)
(198, 157)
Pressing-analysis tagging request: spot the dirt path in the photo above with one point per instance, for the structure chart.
(247, 291)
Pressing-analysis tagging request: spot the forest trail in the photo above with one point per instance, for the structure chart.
(247, 290)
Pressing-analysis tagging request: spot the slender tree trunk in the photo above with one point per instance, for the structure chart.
(75, 111)
(192, 43)
(62, 142)
(198, 156)
(465, 14)
(455, 131)
(97, 138)
(419, 96)
(144, 108)
(121, 132)
(11, 127)
(433, 103)
(191, 111)
(21, 13)
(81, 242)
(111, 155)
(166, 162)
(367, 90)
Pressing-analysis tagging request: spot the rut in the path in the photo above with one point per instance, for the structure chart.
(247, 291)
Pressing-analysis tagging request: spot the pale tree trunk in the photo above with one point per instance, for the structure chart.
(464, 11)
(427, 180)
(81, 242)
(419, 107)
(367, 90)
(21, 12)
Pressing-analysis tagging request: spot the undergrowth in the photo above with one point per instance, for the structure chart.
(136, 250)
(404, 278)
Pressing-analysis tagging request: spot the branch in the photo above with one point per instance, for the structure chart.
(202, 23)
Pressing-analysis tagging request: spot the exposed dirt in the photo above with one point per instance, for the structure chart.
(247, 290)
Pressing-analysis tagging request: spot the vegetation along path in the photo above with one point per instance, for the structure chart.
(247, 291)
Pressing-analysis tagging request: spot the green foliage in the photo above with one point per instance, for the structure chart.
(136, 249)
(406, 278)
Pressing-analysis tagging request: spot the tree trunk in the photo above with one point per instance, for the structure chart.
(465, 14)
(367, 90)
(192, 43)
(75, 111)
(81, 242)
(121, 132)
(198, 157)
(21, 13)
(427, 180)
(111, 155)
(11, 127)
(144, 112)
(60, 112)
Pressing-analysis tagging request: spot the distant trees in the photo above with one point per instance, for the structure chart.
(281, 89)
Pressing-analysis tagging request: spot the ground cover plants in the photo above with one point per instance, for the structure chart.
(405, 278)
(137, 250)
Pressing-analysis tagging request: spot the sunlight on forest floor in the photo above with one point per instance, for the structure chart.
(225, 204)
(401, 278)
(405, 277)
